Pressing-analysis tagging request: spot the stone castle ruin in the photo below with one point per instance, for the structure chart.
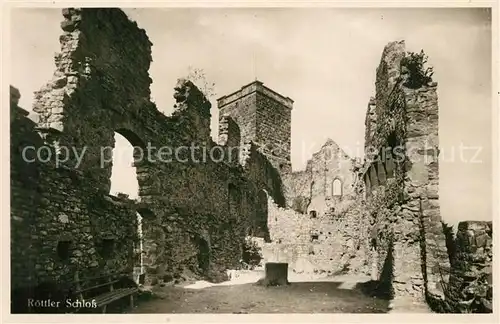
(379, 217)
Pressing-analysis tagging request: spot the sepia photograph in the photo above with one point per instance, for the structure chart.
(251, 159)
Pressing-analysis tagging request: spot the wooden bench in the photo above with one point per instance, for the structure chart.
(102, 290)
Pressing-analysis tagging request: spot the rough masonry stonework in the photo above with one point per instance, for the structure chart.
(195, 216)
(264, 117)
(378, 217)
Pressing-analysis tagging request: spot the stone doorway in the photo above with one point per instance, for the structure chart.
(203, 255)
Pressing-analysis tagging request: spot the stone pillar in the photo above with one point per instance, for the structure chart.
(422, 182)
(407, 116)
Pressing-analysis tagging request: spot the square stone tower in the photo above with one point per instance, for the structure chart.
(264, 117)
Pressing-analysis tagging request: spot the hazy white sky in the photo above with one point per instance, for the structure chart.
(324, 59)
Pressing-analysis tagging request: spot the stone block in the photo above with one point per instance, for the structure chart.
(276, 274)
(432, 191)
(481, 240)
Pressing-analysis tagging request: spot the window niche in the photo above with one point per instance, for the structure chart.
(64, 248)
(313, 214)
(393, 155)
(337, 188)
(314, 235)
(107, 248)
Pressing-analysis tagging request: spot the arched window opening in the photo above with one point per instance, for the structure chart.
(313, 214)
(107, 248)
(337, 187)
(123, 172)
(124, 184)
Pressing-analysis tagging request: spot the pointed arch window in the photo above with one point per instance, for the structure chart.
(337, 188)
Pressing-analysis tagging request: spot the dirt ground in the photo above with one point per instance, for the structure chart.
(242, 296)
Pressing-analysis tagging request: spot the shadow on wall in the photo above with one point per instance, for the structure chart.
(385, 288)
(262, 213)
(450, 242)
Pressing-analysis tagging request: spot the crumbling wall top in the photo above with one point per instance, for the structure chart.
(187, 93)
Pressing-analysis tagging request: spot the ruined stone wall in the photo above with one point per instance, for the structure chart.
(59, 219)
(325, 184)
(262, 173)
(24, 178)
(266, 183)
(401, 180)
(290, 237)
(196, 209)
(332, 178)
(318, 230)
(326, 245)
(101, 51)
(297, 186)
(470, 289)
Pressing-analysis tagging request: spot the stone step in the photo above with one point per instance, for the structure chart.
(408, 306)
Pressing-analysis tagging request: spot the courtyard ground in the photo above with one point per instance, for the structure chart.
(341, 294)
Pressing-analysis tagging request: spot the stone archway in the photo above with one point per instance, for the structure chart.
(337, 188)
(203, 255)
(128, 158)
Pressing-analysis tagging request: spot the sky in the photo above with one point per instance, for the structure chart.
(324, 59)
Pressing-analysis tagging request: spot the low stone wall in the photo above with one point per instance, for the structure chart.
(329, 244)
(470, 288)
